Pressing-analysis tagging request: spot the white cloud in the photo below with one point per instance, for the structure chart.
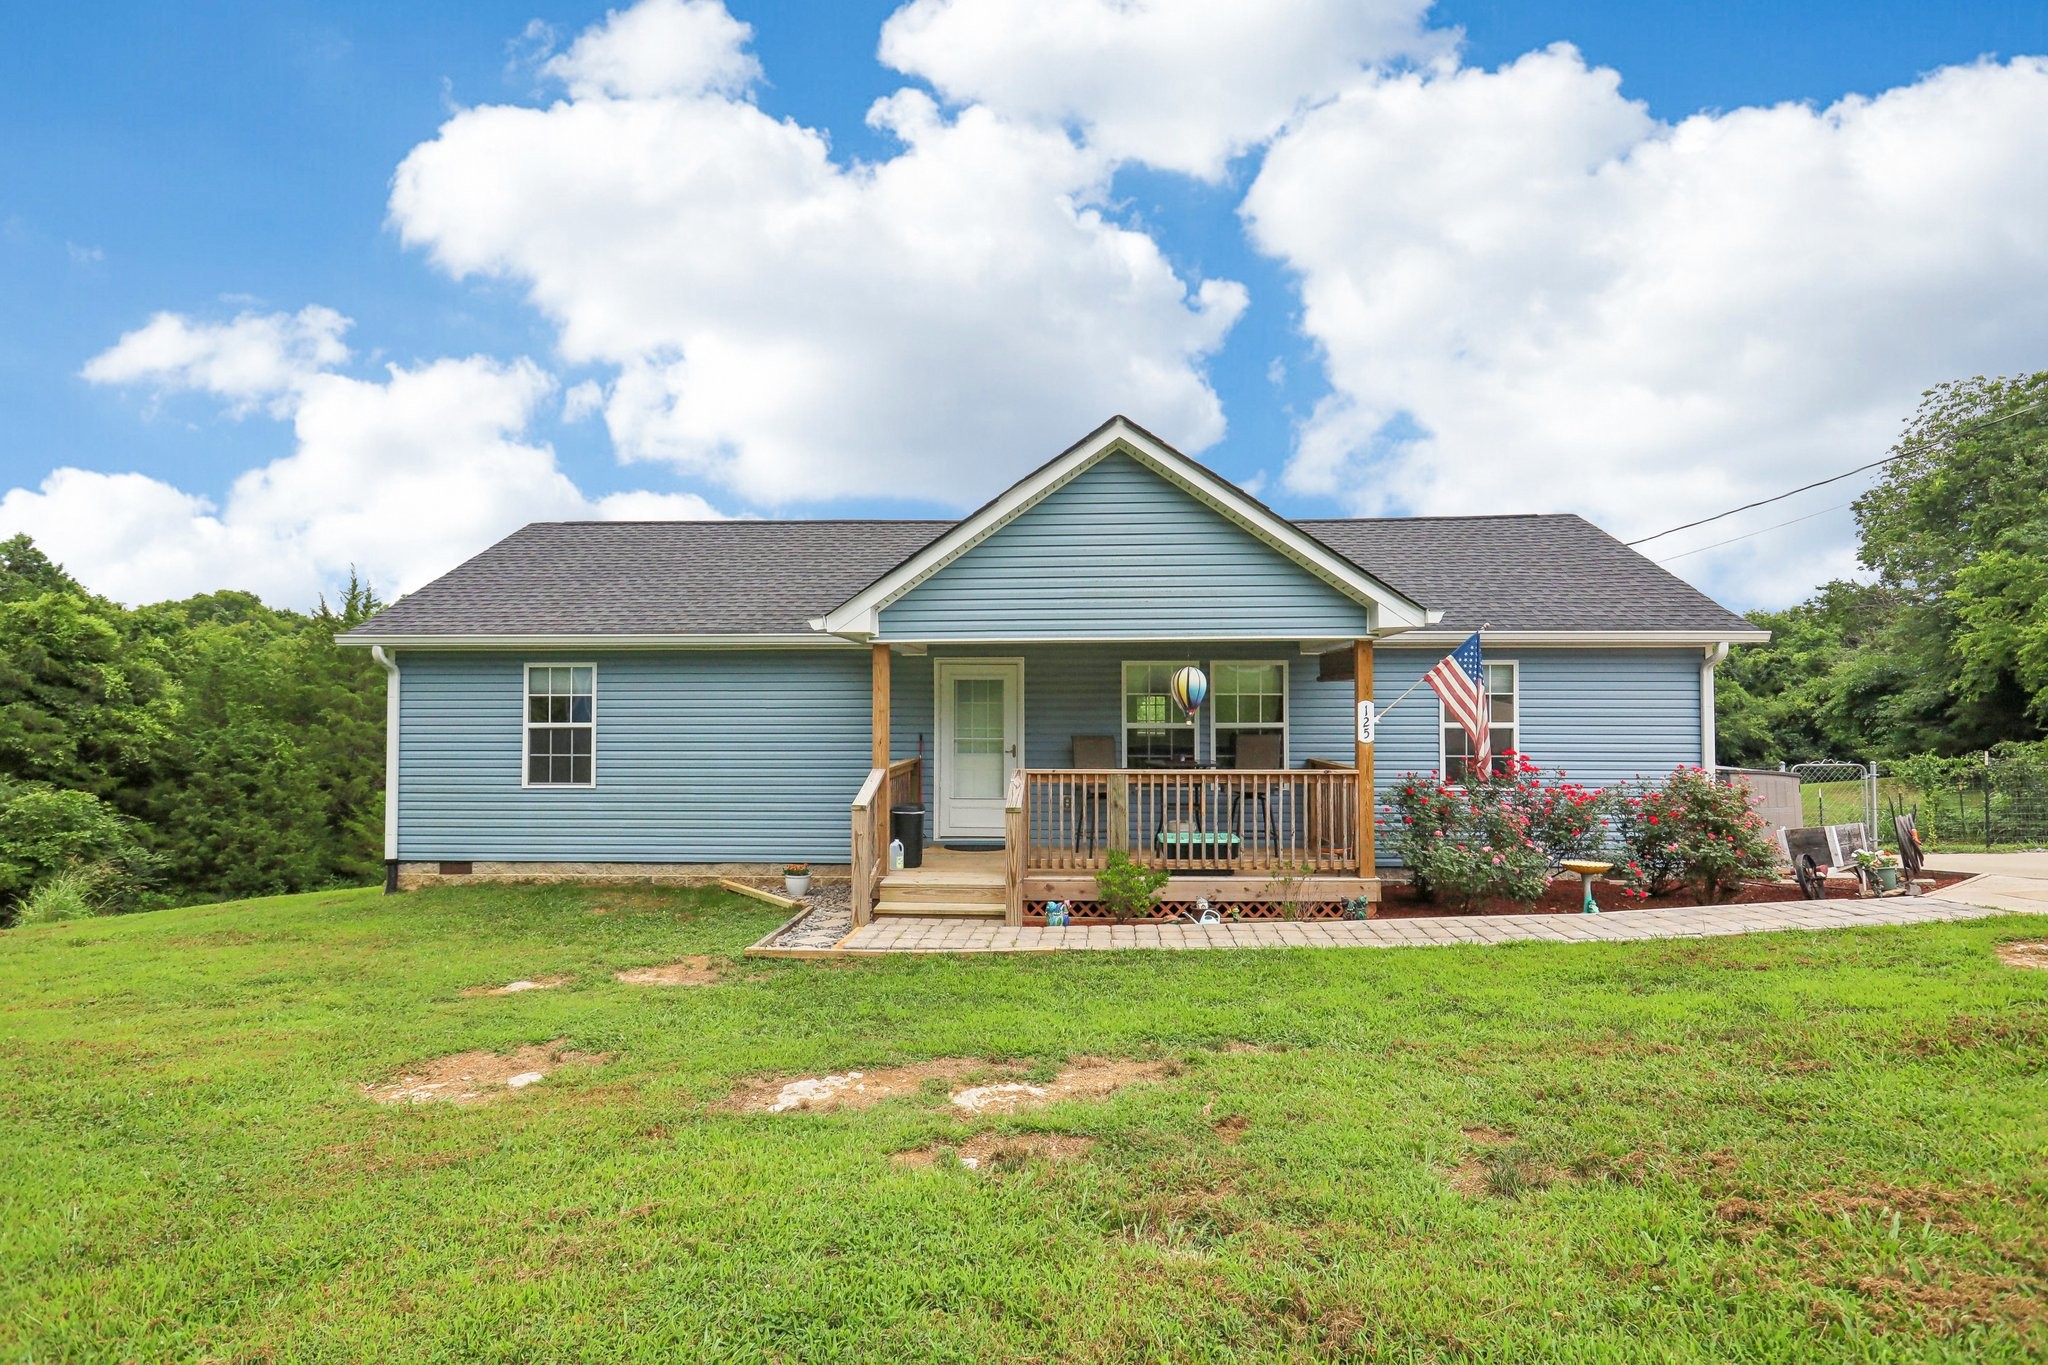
(257, 359)
(1180, 84)
(583, 400)
(1584, 309)
(930, 325)
(659, 47)
(402, 477)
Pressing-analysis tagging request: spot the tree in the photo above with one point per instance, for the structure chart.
(1947, 651)
(248, 746)
(1958, 528)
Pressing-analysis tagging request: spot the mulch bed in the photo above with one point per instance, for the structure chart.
(1565, 896)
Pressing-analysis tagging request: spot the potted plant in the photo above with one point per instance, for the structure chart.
(796, 879)
(1881, 866)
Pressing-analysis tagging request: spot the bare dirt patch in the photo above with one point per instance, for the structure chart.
(997, 1151)
(1230, 1131)
(476, 1077)
(969, 1084)
(2031, 955)
(1498, 1168)
(691, 971)
(524, 984)
(1086, 1078)
(850, 1089)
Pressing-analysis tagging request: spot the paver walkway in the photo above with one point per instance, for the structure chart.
(914, 935)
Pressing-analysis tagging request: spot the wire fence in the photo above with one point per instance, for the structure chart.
(1997, 799)
(1992, 800)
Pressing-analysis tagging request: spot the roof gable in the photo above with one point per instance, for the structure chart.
(1384, 608)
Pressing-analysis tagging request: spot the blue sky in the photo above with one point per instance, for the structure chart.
(218, 159)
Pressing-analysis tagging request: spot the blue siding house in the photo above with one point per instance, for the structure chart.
(677, 700)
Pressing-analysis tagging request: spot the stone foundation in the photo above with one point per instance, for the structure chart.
(414, 875)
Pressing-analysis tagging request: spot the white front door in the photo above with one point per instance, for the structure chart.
(980, 737)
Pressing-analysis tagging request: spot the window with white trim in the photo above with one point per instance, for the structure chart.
(1156, 730)
(1246, 698)
(1503, 710)
(561, 725)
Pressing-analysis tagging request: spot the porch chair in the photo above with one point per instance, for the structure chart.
(1091, 800)
(1259, 752)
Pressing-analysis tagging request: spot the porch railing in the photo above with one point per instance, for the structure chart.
(1190, 820)
(899, 784)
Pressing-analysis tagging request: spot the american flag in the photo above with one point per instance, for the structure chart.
(1461, 682)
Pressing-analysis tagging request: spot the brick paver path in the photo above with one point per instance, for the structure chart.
(911, 935)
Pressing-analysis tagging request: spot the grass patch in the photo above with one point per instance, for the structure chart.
(1751, 1149)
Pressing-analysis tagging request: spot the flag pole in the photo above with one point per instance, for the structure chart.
(1481, 633)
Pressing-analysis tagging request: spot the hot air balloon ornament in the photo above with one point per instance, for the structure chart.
(1189, 687)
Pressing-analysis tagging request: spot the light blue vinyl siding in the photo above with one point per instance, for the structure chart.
(755, 755)
(1119, 553)
(1601, 715)
(702, 756)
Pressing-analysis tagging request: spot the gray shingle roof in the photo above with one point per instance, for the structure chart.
(773, 577)
(1531, 572)
(657, 578)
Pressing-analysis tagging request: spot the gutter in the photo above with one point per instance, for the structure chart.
(1711, 660)
(390, 666)
(590, 641)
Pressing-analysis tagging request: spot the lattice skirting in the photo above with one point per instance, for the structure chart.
(1089, 912)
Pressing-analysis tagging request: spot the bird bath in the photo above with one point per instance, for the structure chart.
(1587, 871)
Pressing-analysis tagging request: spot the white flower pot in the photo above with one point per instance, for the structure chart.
(797, 886)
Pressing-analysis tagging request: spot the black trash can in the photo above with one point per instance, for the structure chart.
(907, 824)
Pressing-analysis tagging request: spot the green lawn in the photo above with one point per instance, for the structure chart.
(1758, 1149)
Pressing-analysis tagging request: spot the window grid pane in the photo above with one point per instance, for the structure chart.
(1154, 728)
(560, 719)
(1251, 699)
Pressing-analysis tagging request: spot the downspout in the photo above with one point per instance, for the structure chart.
(1714, 656)
(390, 666)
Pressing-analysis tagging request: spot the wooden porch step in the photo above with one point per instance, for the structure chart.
(942, 909)
(942, 889)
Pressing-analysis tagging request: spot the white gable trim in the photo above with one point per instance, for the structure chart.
(1390, 610)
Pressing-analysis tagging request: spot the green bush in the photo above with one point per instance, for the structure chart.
(1694, 832)
(45, 832)
(1126, 889)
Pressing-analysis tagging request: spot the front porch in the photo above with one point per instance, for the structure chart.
(1261, 807)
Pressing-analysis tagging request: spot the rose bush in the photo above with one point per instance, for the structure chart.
(1694, 832)
(1503, 834)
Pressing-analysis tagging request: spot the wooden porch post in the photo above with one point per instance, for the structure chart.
(1361, 690)
(879, 724)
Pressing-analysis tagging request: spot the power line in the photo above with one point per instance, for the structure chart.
(1803, 488)
(1765, 502)
(1759, 531)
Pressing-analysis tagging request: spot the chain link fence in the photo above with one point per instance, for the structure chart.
(1838, 792)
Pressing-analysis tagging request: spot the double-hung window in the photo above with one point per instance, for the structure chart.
(1156, 731)
(1503, 709)
(561, 725)
(1248, 699)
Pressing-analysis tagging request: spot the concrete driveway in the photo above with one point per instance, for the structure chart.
(2033, 864)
